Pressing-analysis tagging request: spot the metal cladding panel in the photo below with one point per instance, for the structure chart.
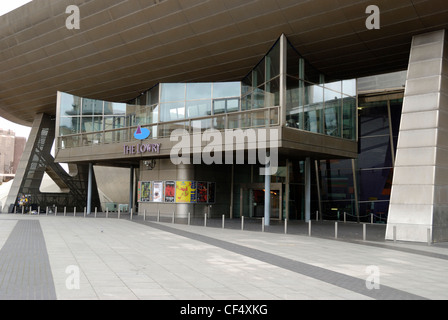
(419, 194)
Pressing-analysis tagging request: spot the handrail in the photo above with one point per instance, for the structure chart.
(187, 123)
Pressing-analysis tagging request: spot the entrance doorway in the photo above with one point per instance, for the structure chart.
(257, 202)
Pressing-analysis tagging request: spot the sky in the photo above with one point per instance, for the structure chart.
(21, 131)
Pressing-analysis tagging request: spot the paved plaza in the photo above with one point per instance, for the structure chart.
(62, 258)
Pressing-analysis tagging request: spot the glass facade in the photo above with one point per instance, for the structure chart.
(275, 87)
(164, 108)
(362, 187)
(311, 105)
(316, 106)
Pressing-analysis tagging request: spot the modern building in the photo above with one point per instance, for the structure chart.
(195, 98)
(11, 149)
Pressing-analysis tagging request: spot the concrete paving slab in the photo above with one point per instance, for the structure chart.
(120, 259)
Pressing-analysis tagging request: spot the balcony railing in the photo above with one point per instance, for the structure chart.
(258, 118)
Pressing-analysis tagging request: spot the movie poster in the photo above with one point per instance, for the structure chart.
(144, 191)
(157, 191)
(202, 195)
(185, 191)
(170, 187)
(211, 192)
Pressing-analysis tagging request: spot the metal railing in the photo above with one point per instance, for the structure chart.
(258, 118)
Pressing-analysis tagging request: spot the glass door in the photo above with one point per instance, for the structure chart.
(258, 205)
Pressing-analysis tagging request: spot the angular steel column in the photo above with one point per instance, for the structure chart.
(36, 161)
(419, 199)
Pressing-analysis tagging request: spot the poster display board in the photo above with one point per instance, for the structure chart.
(144, 191)
(157, 191)
(176, 191)
(170, 191)
(202, 192)
(185, 191)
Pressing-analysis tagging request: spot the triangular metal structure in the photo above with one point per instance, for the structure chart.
(37, 160)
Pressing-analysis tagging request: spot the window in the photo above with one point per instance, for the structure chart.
(226, 105)
(172, 111)
(173, 92)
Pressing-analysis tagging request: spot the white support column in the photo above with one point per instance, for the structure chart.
(307, 189)
(131, 188)
(89, 189)
(283, 71)
(267, 194)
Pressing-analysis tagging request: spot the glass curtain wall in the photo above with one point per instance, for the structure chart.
(261, 87)
(316, 106)
(371, 174)
(312, 105)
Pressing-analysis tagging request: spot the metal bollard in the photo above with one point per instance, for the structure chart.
(46, 211)
(107, 213)
(144, 215)
(309, 228)
(188, 219)
(429, 236)
(172, 220)
(223, 221)
(371, 218)
(336, 230)
(85, 212)
(364, 232)
(286, 226)
(23, 210)
(345, 217)
(96, 211)
(65, 211)
(74, 212)
(55, 211)
(119, 212)
(317, 215)
(158, 215)
(242, 222)
(131, 213)
(38, 211)
(262, 224)
(205, 220)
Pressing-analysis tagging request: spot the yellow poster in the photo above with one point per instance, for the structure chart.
(185, 192)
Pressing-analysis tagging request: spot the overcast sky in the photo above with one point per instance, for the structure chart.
(9, 5)
(5, 7)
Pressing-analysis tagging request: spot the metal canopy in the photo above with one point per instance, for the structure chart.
(124, 47)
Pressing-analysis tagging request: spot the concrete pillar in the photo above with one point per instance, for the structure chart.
(420, 186)
(307, 189)
(89, 189)
(267, 195)
(131, 188)
(184, 173)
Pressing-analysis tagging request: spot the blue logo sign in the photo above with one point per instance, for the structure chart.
(142, 133)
